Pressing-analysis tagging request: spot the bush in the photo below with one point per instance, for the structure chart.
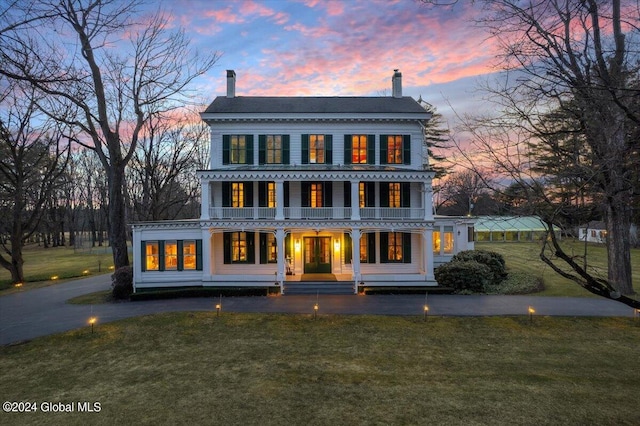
(517, 283)
(464, 276)
(494, 261)
(122, 283)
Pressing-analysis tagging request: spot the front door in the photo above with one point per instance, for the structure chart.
(317, 255)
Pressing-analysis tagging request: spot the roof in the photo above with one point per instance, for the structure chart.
(317, 105)
(509, 223)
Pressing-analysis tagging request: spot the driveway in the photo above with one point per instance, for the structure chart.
(34, 313)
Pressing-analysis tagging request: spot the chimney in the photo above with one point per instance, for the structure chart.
(231, 84)
(396, 84)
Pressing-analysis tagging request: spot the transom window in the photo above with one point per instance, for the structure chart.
(395, 247)
(359, 149)
(315, 195)
(237, 194)
(394, 149)
(239, 247)
(238, 150)
(170, 255)
(394, 194)
(274, 149)
(316, 149)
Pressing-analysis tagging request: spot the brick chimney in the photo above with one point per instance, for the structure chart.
(396, 84)
(231, 84)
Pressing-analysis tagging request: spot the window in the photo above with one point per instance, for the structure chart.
(436, 242)
(237, 194)
(268, 248)
(170, 255)
(362, 195)
(395, 247)
(238, 247)
(152, 261)
(364, 248)
(395, 149)
(448, 239)
(273, 149)
(173, 255)
(315, 194)
(189, 254)
(317, 149)
(237, 149)
(271, 194)
(394, 195)
(358, 149)
(367, 248)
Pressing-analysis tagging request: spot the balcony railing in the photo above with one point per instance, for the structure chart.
(314, 213)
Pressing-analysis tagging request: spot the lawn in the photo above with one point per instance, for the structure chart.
(41, 264)
(525, 257)
(259, 369)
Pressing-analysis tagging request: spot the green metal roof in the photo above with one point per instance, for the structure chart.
(509, 223)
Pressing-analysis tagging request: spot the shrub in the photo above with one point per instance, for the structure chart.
(517, 283)
(464, 276)
(494, 261)
(122, 283)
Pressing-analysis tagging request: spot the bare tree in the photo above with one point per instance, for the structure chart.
(110, 65)
(33, 157)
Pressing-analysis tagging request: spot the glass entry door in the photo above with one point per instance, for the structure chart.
(317, 255)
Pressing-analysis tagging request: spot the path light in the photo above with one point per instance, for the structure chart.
(426, 312)
(18, 285)
(531, 312)
(55, 277)
(92, 320)
(315, 310)
(636, 313)
(85, 272)
(219, 306)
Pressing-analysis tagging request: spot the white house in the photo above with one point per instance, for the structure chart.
(307, 185)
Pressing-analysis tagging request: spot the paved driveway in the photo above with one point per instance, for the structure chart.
(29, 314)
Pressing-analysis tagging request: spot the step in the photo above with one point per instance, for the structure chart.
(313, 287)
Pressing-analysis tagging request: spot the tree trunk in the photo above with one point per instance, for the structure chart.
(619, 246)
(117, 216)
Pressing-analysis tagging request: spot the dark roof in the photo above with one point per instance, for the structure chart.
(325, 105)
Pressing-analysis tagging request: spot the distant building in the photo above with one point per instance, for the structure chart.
(596, 232)
(510, 228)
(307, 186)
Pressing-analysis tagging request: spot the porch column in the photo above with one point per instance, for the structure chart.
(427, 254)
(205, 202)
(427, 200)
(355, 200)
(355, 255)
(280, 255)
(280, 202)
(206, 254)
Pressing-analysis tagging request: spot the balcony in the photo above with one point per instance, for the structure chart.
(316, 213)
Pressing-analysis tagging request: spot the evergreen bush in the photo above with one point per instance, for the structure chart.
(464, 276)
(494, 261)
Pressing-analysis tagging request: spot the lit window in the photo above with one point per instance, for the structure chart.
(315, 194)
(359, 149)
(436, 242)
(239, 247)
(395, 247)
(152, 256)
(364, 248)
(238, 150)
(394, 195)
(171, 255)
(448, 239)
(274, 149)
(189, 255)
(362, 194)
(316, 149)
(272, 248)
(394, 149)
(271, 194)
(237, 194)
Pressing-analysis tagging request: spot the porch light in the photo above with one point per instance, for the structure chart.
(297, 244)
(336, 244)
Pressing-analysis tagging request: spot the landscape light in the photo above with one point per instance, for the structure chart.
(219, 306)
(85, 272)
(92, 320)
(18, 285)
(55, 277)
(315, 310)
(426, 312)
(531, 312)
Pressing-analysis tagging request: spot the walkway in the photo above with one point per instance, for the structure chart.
(44, 311)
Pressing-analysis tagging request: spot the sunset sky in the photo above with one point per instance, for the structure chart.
(340, 48)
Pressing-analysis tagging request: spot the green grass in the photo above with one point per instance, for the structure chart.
(64, 262)
(259, 369)
(525, 257)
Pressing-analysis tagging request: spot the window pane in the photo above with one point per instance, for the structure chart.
(316, 149)
(274, 149)
(271, 194)
(272, 249)
(436, 242)
(189, 254)
(237, 194)
(316, 195)
(170, 255)
(359, 149)
(364, 248)
(394, 195)
(151, 255)
(394, 149)
(395, 247)
(448, 239)
(238, 150)
(239, 247)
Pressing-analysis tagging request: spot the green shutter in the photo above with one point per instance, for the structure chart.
(226, 242)
(406, 247)
(251, 247)
(304, 194)
(226, 194)
(263, 248)
(328, 148)
(161, 255)
(262, 149)
(384, 245)
(371, 149)
(370, 194)
(405, 194)
(262, 194)
(248, 194)
(384, 194)
(305, 149)
(371, 248)
(225, 148)
(198, 255)
(287, 246)
(348, 150)
(143, 255)
(285, 149)
(286, 194)
(406, 149)
(348, 248)
(328, 194)
(249, 139)
(347, 193)
(180, 255)
(384, 145)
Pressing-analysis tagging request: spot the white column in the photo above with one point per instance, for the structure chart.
(355, 255)
(206, 199)
(355, 200)
(427, 254)
(206, 254)
(138, 257)
(279, 201)
(427, 200)
(280, 255)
